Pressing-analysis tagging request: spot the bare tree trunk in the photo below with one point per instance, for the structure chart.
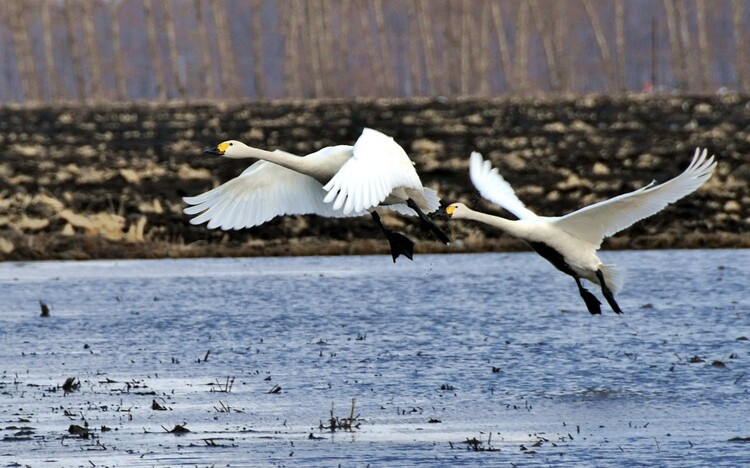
(502, 44)
(522, 46)
(703, 52)
(674, 47)
(75, 53)
(679, 67)
(683, 28)
(122, 85)
(601, 40)
(549, 50)
(313, 42)
(451, 84)
(13, 25)
(483, 54)
(564, 53)
(49, 54)
(465, 48)
(224, 38)
(286, 24)
(257, 38)
(293, 62)
(413, 57)
(620, 44)
(738, 8)
(342, 48)
(385, 52)
(92, 50)
(428, 47)
(30, 81)
(174, 63)
(367, 32)
(157, 69)
(328, 57)
(207, 71)
(654, 62)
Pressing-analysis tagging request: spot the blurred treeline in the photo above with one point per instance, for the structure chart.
(196, 50)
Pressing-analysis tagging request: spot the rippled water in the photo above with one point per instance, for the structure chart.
(497, 347)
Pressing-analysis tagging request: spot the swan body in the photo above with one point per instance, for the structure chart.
(336, 181)
(570, 242)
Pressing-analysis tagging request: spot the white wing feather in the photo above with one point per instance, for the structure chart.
(432, 203)
(378, 166)
(494, 188)
(262, 192)
(595, 222)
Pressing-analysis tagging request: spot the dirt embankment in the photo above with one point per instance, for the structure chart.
(107, 181)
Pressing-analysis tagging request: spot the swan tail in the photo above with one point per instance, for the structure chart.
(613, 276)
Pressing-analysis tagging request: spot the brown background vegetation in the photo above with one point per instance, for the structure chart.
(107, 181)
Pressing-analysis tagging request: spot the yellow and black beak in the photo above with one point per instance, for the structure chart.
(214, 151)
(449, 210)
(217, 150)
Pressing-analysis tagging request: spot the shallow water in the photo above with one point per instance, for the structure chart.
(497, 347)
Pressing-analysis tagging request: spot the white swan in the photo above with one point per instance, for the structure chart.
(375, 172)
(570, 242)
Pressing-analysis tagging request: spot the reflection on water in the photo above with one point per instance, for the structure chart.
(434, 351)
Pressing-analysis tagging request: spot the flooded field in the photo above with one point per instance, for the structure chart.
(485, 359)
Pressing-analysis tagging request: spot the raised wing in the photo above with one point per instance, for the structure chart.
(378, 166)
(494, 188)
(262, 192)
(595, 222)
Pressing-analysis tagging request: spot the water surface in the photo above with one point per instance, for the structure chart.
(493, 347)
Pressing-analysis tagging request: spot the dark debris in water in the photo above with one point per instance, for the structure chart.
(71, 384)
(275, 389)
(45, 309)
(476, 445)
(177, 429)
(80, 431)
(156, 406)
(349, 423)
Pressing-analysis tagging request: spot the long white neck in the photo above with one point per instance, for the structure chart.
(508, 225)
(290, 161)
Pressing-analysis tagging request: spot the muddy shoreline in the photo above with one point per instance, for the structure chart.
(106, 181)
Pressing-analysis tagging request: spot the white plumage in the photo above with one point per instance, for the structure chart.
(378, 167)
(570, 242)
(375, 172)
(262, 192)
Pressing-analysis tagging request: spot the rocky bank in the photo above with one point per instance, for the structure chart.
(106, 181)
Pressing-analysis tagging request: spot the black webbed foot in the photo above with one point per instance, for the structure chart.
(443, 237)
(399, 243)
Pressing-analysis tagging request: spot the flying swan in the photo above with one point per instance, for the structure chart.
(570, 242)
(336, 181)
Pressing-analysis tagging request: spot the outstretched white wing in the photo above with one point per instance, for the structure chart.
(595, 222)
(378, 166)
(494, 188)
(262, 192)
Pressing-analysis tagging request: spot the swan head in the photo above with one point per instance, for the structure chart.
(456, 210)
(229, 149)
